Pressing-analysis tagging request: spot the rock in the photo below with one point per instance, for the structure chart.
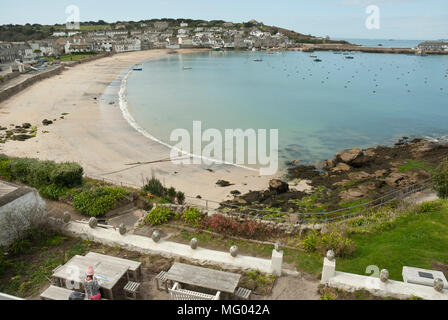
(379, 173)
(395, 179)
(301, 186)
(198, 197)
(328, 164)
(278, 186)
(47, 122)
(384, 275)
(122, 229)
(235, 193)
(348, 156)
(26, 125)
(359, 175)
(350, 195)
(21, 137)
(194, 243)
(156, 236)
(241, 201)
(223, 183)
(234, 251)
(93, 223)
(342, 167)
(341, 183)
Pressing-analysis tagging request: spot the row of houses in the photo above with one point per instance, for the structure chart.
(157, 35)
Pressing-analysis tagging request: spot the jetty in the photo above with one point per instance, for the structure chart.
(356, 48)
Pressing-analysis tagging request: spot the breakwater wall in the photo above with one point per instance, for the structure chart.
(10, 91)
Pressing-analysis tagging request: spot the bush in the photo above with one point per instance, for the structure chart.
(38, 173)
(171, 193)
(440, 179)
(228, 226)
(341, 245)
(95, 201)
(193, 216)
(180, 196)
(53, 192)
(158, 216)
(4, 172)
(67, 174)
(155, 187)
(428, 207)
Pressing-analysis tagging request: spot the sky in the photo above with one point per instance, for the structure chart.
(339, 19)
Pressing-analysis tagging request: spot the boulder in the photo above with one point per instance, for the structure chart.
(359, 175)
(379, 173)
(235, 193)
(47, 122)
(351, 195)
(348, 156)
(342, 167)
(328, 164)
(395, 179)
(26, 125)
(278, 186)
(223, 183)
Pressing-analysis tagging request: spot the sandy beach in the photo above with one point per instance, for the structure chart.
(95, 134)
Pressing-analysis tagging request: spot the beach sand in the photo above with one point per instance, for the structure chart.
(95, 134)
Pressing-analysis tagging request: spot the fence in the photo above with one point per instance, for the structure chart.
(288, 217)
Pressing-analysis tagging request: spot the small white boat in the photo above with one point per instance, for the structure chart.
(138, 67)
(188, 68)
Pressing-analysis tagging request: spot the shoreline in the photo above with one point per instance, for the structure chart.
(95, 134)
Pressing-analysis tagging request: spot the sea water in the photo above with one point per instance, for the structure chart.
(319, 108)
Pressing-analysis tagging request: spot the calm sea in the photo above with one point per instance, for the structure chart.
(319, 107)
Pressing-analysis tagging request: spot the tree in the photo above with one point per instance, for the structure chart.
(440, 179)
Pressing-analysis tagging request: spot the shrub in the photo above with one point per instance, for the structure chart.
(193, 216)
(428, 207)
(67, 174)
(155, 187)
(440, 179)
(309, 243)
(20, 169)
(341, 245)
(95, 201)
(171, 193)
(158, 216)
(247, 228)
(38, 173)
(52, 191)
(4, 172)
(180, 197)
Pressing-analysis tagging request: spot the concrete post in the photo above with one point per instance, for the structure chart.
(329, 270)
(277, 262)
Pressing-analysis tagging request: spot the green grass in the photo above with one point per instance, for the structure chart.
(74, 57)
(414, 165)
(415, 240)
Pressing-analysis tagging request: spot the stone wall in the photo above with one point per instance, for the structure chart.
(9, 76)
(9, 92)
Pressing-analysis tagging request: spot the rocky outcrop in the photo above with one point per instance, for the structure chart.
(354, 157)
(342, 167)
(278, 186)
